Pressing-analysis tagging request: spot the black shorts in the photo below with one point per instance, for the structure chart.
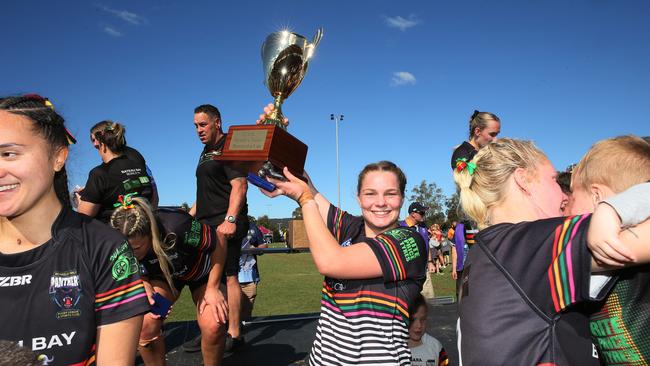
(179, 284)
(193, 285)
(234, 248)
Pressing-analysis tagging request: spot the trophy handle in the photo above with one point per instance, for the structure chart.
(317, 37)
(309, 50)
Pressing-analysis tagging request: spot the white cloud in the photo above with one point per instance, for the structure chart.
(402, 78)
(112, 31)
(125, 15)
(402, 23)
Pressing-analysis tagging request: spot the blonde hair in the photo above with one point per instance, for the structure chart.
(618, 163)
(140, 220)
(495, 163)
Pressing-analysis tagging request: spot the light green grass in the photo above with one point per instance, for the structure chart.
(291, 285)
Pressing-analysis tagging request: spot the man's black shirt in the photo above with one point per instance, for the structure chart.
(213, 186)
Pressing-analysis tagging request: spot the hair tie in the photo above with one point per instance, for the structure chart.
(462, 163)
(125, 201)
(474, 114)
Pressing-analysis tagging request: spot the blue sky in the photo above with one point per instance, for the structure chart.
(406, 74)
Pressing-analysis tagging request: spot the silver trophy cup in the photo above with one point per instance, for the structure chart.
(285, 57)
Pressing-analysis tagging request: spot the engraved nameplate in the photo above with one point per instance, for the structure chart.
(249, 140)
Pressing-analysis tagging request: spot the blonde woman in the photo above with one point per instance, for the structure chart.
(526, 285)
(176, 250)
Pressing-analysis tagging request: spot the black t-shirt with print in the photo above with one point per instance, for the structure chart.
(108, 181)
(464, 150)
(55, 296)
(213, 186)
(193, 244)
(524, 298)
(133, 154)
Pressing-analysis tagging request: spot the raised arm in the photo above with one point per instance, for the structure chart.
(332, 260)
(321, 201)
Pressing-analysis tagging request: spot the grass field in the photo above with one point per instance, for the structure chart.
(291, 285)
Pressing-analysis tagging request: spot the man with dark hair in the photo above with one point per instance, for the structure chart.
(221, 202)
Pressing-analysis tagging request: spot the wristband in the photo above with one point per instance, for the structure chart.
(305, 197)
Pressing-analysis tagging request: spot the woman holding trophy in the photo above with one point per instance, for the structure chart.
(373, 269)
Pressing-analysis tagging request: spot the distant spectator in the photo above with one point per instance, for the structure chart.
(249, 276)
(425, 349)
(435, 253)
(445, 250)
(415, 219)
(483, 129)
(461, 249)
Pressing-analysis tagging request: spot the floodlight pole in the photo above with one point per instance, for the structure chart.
(337, 119)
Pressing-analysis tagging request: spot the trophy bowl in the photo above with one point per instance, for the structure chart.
(264, 149)
(285, 58)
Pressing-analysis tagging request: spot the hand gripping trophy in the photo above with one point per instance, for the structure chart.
(268, 147)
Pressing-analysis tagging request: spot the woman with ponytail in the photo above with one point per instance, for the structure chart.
(116, 175)
(483, 129)
(175, 250)
(526, 288)
(69, 285)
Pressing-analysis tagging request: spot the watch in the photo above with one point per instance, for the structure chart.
(231, 219)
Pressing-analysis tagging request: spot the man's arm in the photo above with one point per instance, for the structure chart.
(235, 203)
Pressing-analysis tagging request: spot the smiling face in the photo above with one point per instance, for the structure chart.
(27, 168)
(380, 200)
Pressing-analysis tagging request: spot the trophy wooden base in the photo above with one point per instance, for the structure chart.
(247, 147)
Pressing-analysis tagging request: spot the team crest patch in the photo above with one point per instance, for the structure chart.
(65, 292)
(124, 262)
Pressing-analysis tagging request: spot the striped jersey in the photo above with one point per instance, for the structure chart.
(56, 295)
(524, 295)
(366, 321)
(621, 327)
